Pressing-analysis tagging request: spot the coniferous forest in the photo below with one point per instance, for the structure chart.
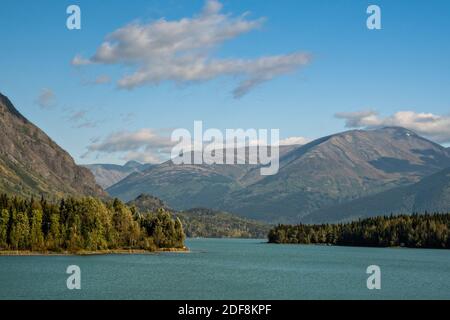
(83, 224)
(413, 231)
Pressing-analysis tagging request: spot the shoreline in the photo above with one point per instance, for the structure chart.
(354, 246)
(91, 253)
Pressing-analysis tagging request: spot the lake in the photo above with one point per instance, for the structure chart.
(233, 269)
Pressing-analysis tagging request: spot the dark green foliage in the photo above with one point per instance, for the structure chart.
(85, 224)
(167, 232)
(208, 223)
(413, 231)
(203, 222)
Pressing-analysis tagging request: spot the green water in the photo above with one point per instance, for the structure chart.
(233, 269)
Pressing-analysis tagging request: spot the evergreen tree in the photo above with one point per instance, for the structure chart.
(4, 226)
(54, 240)
(83, 224)
(20, 231)
(416, 231)
(36, 234)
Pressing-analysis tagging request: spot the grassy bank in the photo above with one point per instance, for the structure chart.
(89, 253)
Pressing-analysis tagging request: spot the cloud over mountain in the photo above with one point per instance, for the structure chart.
(146, 145)
(155, 145)
(436, 127)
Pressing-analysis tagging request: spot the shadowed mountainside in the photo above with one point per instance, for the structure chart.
(431, 194)
(33, 164)
(326, 172)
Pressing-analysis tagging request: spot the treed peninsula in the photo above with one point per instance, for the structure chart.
(83, 226)
(412, 231)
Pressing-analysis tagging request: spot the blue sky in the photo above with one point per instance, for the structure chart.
(366, 76)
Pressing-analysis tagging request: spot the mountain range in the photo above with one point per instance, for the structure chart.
(107, 175)
(321, 174)
(340, 177)
(32, 164)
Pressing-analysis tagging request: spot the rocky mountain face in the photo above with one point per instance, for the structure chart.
(431, 194)
(324, 173)
(107, 175)
(33, 164)
(338, 169)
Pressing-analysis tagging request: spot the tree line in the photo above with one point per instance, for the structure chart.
(413, 231)
(83, 224)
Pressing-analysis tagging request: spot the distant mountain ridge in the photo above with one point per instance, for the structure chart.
(33, 164)
(326, 172)
(107, 175)
(186, 186)
(431, 194)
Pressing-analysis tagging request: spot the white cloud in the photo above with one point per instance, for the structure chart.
(145, 157)
(435, 127)
(80, 61)
(141, 145)
(46, 98)
(294, 140)
(283, 142)
(180, 51)
(131, 141)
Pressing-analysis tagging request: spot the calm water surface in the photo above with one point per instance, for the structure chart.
(233, 269)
